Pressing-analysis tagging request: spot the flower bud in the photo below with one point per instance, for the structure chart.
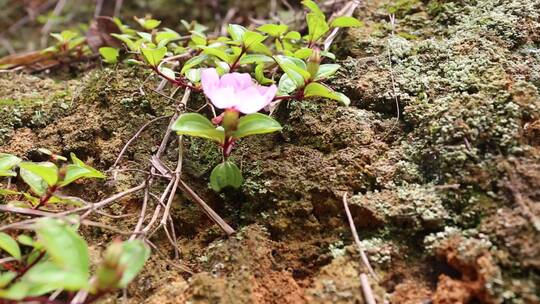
(113, 254)
(230, 120)
(314, 62)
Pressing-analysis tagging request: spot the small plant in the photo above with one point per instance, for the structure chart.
(58, 259)
(45, 179)
(68, 43)
(237, 94)
(269, 49)
(285, 64)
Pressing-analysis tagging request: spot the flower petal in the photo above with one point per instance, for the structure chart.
(223, 98)
(238, 81)
(251, 100)
(209, 80)
(268, 92)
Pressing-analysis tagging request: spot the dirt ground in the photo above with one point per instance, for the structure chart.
(444, 188)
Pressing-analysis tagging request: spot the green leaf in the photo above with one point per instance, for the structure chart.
(154, 56)
(286, 85)
(346, 21)
(65, 247)
(195, 124)
(250, 38)
(25, 240)
(126, 39)
(224, 175)
(326, 70)
(317, 89)
(76, 42)
(260, 48)
(194, 61)
(293, 35)
(147, 37)
(50, 276)
(219, 53)
(77, 170)
(303, 53)
(169, 73)
(134, 255)
(255, 58)
(198, 39)
(317, 26)
(312, 6)
(7, 162)
(8, 192)
(74, 173)
(166, 36)
(68, 35)
(109, 54)
(295, 69)
(194, 75)
(64, 36)
(256, 123)
(259, 75)
(236, 31)
(9, 245)
(148, 24)
(6, 278)
(15, 292)
(328, 55)
(45, 170)
(274, 30)
(7, 173)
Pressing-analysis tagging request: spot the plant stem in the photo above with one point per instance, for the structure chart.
(178, 82)
(28, 267)
(43, 200)
(235, 64)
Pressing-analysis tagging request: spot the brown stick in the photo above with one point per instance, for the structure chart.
(363, 255)
(132, 139)
(89, 208)
(211, 213)
(366, 289)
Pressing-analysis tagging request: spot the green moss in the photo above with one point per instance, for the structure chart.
(201, 155)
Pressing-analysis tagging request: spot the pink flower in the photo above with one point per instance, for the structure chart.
(236, 91)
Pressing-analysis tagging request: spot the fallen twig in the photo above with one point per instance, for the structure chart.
(363, 255)
(132, 139)
(366, 289)
(88, 208)
(209, 211)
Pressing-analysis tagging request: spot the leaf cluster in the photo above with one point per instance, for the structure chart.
(57, 258)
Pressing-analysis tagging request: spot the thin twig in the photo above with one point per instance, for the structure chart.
(209, 211)
(24, 211)
(366, 289)
(392, 76)
(132, 139)
(363, 255)
(140, 221)
(88, 208)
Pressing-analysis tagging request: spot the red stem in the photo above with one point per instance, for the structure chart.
(235, 64)
(29, 266)
(45, 198)
(178, 82)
